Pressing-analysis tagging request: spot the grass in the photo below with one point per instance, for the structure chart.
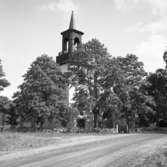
(157, 159)
(13, 141)
(154, 129)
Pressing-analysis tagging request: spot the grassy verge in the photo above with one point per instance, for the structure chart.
(156, 160)
(12, 141)
(154, 130)
(16, 141)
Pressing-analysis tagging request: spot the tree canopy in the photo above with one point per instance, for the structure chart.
(3, 81)
(42, 94)
(104, 84)
(109, 91)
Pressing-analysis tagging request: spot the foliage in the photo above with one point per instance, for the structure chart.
(7, 108)
(4, 101)
(42, 93)
(5, 104)
(143, 107)
(12, 116)
(156, 86)
(3, 82)
(105, 85)
(123, 76)
(110, 106)
(87, 66)
(112, 89)
(129, 90)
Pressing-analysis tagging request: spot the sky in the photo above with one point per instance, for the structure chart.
(29, 28)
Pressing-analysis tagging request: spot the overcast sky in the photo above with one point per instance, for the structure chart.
(29, 28)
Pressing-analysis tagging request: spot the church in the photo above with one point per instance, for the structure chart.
(71, 41)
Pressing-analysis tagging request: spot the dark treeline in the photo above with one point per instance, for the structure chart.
(110, 92)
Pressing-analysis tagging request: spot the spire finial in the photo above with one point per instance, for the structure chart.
(72, 21)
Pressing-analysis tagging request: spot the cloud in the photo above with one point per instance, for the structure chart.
(125, 4)
(120, 4)
(67, 5)
(154, 30)
(63, 5)
(158, 7)
(155, 27)
(151, 51)
(138, 27)
(49, 7)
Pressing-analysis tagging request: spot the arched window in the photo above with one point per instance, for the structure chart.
(66, 45)
(76, 43)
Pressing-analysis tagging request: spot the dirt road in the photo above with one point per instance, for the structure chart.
(97, 151)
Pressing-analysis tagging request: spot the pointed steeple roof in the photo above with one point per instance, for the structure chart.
(72, 21)
(72, 26)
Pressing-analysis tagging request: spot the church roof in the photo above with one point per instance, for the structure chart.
(72, 21)
(72, 25)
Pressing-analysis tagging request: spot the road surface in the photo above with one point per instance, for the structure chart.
(106, 151)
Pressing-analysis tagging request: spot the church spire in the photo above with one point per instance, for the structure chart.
(72, 21)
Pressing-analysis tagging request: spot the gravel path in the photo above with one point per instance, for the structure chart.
(91, 151)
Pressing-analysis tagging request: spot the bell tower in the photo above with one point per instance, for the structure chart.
(71, 41)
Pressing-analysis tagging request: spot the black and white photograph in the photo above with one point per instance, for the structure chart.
(83, 83)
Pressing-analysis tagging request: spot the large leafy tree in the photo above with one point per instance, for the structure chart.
(3, 82)
(142, 108)
(104, 83)
(124, 76)
(133, 74)
(7, 107)
(133, 70)
(156, 87)
(109, 103)
(4, 101)
(110, 106)
(5, 111)
(87, 66)
(42, 94)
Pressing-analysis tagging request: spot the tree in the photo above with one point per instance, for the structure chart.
(110, 106)
(124, 76)
(156, 86)
(87, 66)
(133, 76)
(99, 77)
(5, 106)
(133, 70)
(42, 94)
(109, 103)
(3, 82)
(3, 100)
(142, 108)
(12, 115)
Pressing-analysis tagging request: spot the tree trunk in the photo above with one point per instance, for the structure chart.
(3, 121)
(127, 128)
(33, 124)
(95, 120)
(117, 128)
